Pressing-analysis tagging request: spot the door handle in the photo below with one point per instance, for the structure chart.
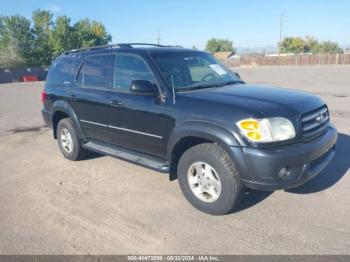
(73, 97)
(115, 103)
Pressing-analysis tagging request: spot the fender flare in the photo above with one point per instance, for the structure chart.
(63, 106)
(207, 130)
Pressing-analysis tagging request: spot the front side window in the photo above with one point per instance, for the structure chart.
(128, 68)
(190, 70)
(97, 71)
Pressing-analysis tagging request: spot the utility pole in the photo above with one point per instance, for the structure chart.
(281, 30)
(158, 39)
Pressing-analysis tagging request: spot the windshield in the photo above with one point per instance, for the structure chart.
(192, 70)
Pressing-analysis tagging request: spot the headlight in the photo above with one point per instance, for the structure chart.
(267, 130)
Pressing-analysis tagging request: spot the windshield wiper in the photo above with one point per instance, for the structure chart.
(200, 86)
(193, 87)
(231, 82)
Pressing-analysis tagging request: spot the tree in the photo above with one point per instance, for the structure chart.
(15, 40)
(91, 33)
(219, 45)
(311, 44)
(10, 56)
(84, 33)
(294, 45)
(23, 43)
(42, 51)
(329, 47)
(298, 45)
(62, 37)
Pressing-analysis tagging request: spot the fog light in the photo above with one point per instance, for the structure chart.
(284, 172)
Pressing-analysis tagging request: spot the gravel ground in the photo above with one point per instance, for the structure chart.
(49, 205)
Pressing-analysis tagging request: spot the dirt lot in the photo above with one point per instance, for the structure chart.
(107, 206)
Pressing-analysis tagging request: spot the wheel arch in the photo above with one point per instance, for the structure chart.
(192, 133)
(62, 109)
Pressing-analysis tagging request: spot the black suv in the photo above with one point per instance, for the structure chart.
(182, 112)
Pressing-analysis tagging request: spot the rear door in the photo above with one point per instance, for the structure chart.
(136, 122)
(89, 97)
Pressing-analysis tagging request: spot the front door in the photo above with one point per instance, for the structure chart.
(136, 122)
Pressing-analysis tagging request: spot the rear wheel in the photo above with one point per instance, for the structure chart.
(68, 140)
(209, 179)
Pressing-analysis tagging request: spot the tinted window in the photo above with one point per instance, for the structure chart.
(128, 68)
(63, 70)
(97, 71)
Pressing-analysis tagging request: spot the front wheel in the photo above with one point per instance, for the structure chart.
(209, 179)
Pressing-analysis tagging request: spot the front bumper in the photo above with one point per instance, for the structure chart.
(261, 168)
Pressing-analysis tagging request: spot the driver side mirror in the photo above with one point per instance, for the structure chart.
(143, 87)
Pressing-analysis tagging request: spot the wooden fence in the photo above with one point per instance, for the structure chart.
(294, 60)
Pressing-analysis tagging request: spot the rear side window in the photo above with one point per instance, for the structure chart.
(97, 71)
(63, 70)
(128, 68)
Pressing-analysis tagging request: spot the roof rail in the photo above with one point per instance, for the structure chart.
(120, 45)
(144, 44)
(90, 48)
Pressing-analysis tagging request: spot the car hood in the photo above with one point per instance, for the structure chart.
(263, 99)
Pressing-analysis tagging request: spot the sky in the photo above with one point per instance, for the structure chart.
(248, 23)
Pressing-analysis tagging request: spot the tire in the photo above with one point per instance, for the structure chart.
(68, 140)
(208, 165)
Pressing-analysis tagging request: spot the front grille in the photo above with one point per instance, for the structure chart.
(315, 122)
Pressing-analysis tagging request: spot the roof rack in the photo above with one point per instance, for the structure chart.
(120, 45)
(130, 45)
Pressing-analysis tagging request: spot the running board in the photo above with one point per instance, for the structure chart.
(131, 156)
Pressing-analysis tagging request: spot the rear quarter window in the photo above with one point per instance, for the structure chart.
(63, 70)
